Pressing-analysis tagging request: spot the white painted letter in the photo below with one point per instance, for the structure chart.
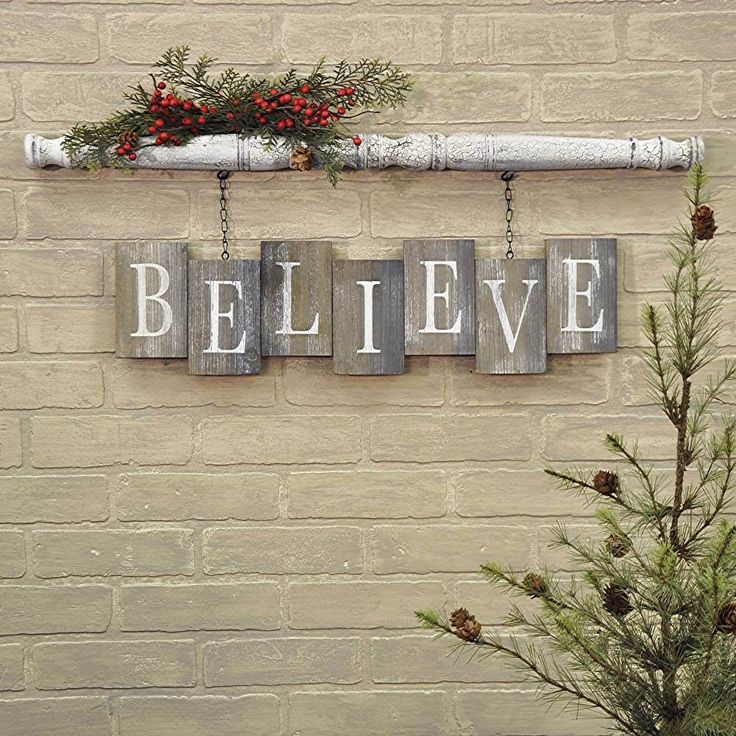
(368, 286)
(143, 297)
(286, 328)
(432, 295)
(571, 265)
(216, 315)
(495, 287)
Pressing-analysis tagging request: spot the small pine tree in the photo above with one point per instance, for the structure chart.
(645, 632)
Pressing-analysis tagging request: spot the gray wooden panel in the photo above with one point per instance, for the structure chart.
(224, 318)
(155, 326)
(581, 296)
(311, 295)
(510, 305)
(368, 320)
(429, 333)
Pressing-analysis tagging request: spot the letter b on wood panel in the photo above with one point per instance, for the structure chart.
(581, 295)
(224, 317)
(368, 300)
(151, 303)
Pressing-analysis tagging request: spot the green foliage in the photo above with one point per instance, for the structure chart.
(645, 631)
(234, 96)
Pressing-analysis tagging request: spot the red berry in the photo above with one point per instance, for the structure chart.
(186, 121)
(164, 136)
(205, 109)
(121, 151)
(274, 105)
(357, 140)
(236, 103)
(307, 121)
(341, 93)
(324, 123)
(195, 129)
(281, 125)
(127, 147)
(349, 91)
(152, 129)
(187, 105)
(351, 103)
(325, 114)
(230, 116)
(132, 156)
(213, 110)
(162, 85)
(289, 123)
(341, 110)
(285, 99)
(158, 141)
(305, 89)
(157, 93)
(273, 92)
(159, 123)
(165, 103)
(155, 108)
(177, 141)
(202, 120)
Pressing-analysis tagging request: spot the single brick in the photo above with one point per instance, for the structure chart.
(7, 98)
(83, 211)
(723, 94)
(367, 494)
(50, 272)
(370, 713)
(570, 379)
(199, 715)
(281, 439)
(51, 38)
(405, 39)
(11, 453)
(311, 382)
(253, 208)
(426, 438)
(8, 329)
(562, 38)
(55, 717)
(38, 385)
(8, 226)
(420, 659)
(12, 554)
(238, 37)
(30, 609)
(71, 329)
(448, 548)
(142, 384)
(183, 496)
(87, 442)
(687, 36)
(361, 604)
(513, 493)
(12, 675)
(282, 661)
(283, 550)
(611, 96)
(55, 499)
(574, 438)
(199, 607)
(114, 664)
(111, 552)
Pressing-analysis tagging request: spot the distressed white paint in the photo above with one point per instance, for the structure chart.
(216, 315)
(142, 296)
(287, 327)
(368, 287)
(432, 296)
(573, 294)
(510, 335)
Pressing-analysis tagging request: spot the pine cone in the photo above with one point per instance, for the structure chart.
(128, 136)
(616, 601)
(534, 584)
(606, 482)
(616, 546)
(465, 625)
(704, 224)
(727, 619)
(302, 159)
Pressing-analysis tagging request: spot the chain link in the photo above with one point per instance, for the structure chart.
(223, 177)
(507, 177)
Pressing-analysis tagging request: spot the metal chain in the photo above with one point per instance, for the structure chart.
(223, 177)
(508, 177)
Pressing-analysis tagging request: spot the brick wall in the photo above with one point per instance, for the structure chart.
(197, 556)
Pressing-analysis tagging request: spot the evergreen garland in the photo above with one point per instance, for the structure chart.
(645, 634)
(186, 99)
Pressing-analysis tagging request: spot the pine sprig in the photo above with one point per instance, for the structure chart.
(314, 110)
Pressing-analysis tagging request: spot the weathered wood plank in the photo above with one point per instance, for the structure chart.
(439, 280)
(224, 317)
(296, 297)
(151, 301)
(510, 305)
(581, 295)
(368, 322)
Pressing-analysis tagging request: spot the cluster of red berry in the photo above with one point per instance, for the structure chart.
(179, 118)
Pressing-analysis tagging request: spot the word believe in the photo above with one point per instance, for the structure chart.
(440, 300)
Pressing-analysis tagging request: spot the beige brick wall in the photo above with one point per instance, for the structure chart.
(183, 556)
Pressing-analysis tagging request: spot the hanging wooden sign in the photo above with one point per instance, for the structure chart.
(439, 302)
(151, 287)
(368, 321)
(510, 303)
(296, 297)
(581, 295)
(224, 317)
